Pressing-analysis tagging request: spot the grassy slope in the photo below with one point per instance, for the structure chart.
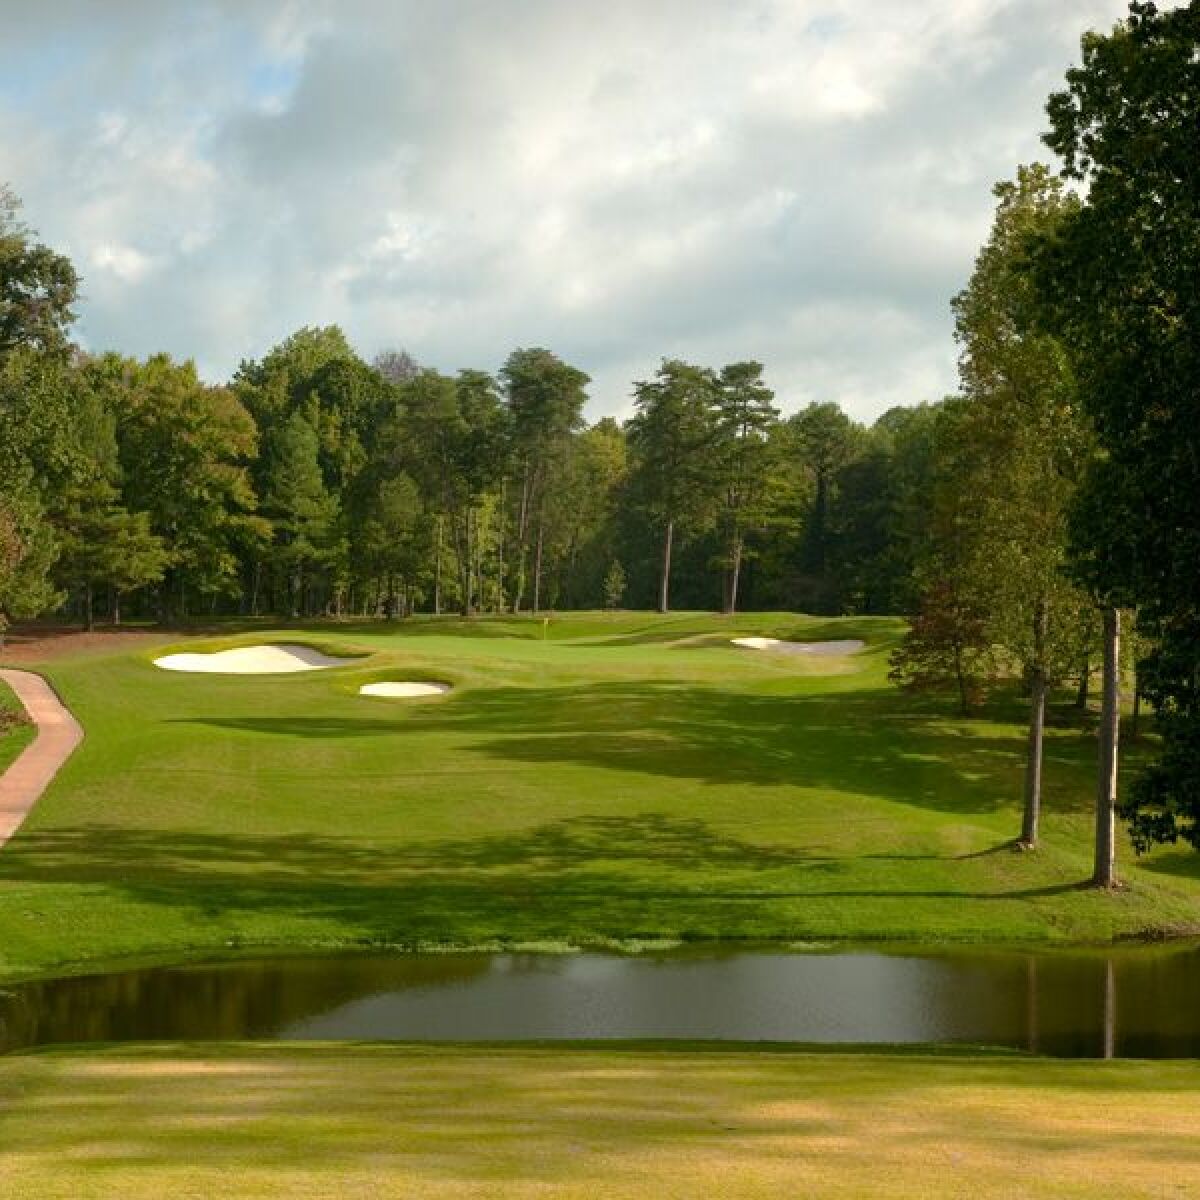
(627, 776)
(16, 734)
(260, 1121)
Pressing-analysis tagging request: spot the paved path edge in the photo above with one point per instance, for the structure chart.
(58, 734)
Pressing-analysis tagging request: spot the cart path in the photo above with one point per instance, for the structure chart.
(58, 733)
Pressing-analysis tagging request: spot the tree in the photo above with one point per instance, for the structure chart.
(545, 401)
(1120, 282)
(825, 441)
(27, 552)
(946, 645)
(614, 585)
(581, 539)
(396, 366)
(742, 451)
(303, 512)
(673, 436)
(37, 287)
(185, 451)
(1030, 442)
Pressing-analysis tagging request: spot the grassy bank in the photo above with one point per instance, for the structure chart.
(258, 1121)
(592, 780)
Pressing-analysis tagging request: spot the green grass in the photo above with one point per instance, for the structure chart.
(629, 1121)
(16, 732)
(599, 779)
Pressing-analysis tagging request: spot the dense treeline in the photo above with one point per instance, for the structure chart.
(316, 483)
(1019, 523)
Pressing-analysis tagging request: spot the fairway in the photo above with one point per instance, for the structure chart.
(243, 1120)
(589, 781)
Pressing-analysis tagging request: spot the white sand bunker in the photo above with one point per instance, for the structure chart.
(252, 660)
(849, 646)
(403, 689)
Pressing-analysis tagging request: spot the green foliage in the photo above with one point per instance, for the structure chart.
(673, 437)
(824, 441)
(614, 585)
(37, 288)
(947, 646)
(1120, 284)
(745, 416)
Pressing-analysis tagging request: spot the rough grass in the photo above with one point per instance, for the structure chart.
(590, 780)
(359, 1121)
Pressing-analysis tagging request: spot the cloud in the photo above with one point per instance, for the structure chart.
(801, 182)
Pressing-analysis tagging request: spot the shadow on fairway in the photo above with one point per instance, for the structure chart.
(872, 743)
(623, 876)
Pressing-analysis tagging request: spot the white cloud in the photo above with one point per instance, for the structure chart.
(125, 262)
(797, 181)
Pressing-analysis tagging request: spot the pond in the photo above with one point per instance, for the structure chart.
(1139, 1002)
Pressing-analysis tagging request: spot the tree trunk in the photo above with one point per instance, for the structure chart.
(437, 573)
(1135, 719)
(1085, 678)
(1104, 873)
(664, 590)
(537, 571)
(464, 567)
(961, 679)
(116, 616)
(735, 570)
(500, 580)
(89, 620)
(523, 539)
(1037, 727)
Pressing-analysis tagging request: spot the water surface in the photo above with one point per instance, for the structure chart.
(1143, 1002)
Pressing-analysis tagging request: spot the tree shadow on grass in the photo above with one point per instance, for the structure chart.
(648, 875)
(868, 743)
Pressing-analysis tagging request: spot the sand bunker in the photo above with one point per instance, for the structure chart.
(849, 646)
(404, 689)
(252, 660)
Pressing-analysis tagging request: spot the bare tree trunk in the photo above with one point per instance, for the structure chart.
(523, 539)
(1037, 728)
(735, 570)
(961, 678)
(464, 566)
(1135, 719)
(89, 619)
(437, 572)
(664, 590)
(116, 616)
(1085, 679)
(537, 571)
(503, 514)
(1104, 873)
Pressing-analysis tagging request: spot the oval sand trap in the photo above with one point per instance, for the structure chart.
(252, 660)
(403, 689)
(849, 646)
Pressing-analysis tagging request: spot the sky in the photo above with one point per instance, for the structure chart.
(801, 182)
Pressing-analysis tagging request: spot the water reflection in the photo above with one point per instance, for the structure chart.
(1143, 1003)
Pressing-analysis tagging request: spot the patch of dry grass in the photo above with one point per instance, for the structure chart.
(250, 1121)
